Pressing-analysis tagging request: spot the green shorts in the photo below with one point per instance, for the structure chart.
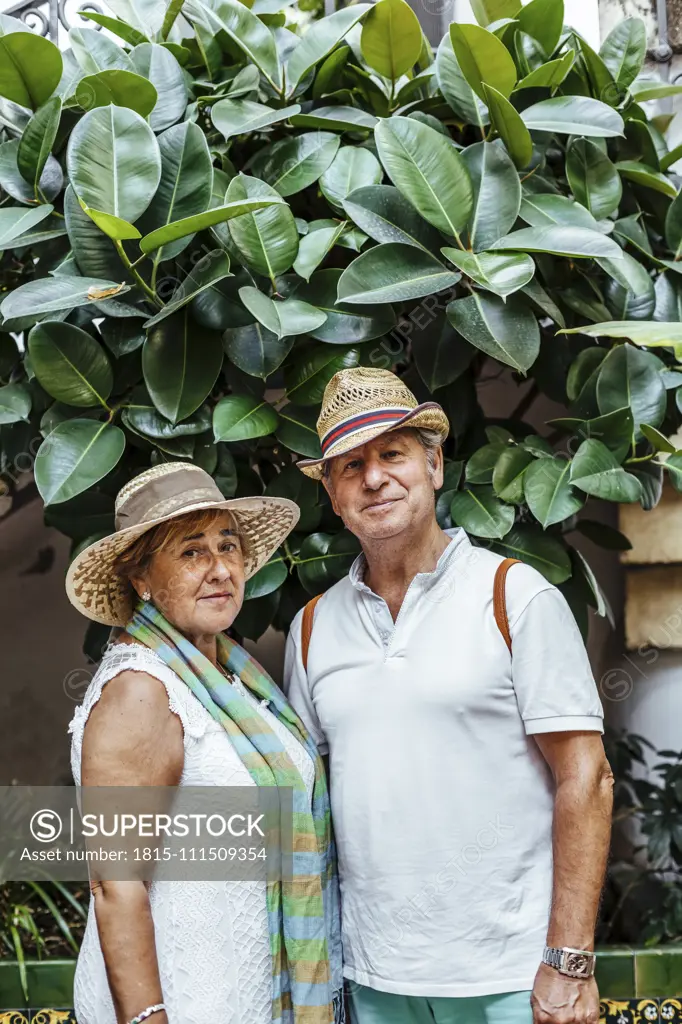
(371, 1007)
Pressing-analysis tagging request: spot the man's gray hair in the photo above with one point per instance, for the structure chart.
(428, 439)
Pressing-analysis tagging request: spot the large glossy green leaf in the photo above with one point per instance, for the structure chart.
(480, 512)
(12, 181)
(256, 350)
(647, 177)
(267, 240)
(614, 429)
(75, 456)
(543, 20)
(335, 119)
(393, 272)
(93, 251)
(489, 11)
(181, 364)
(124, 88)
(314, 247)
(351, 168)
(325, 558)
(69, 364)
(184, 187)
(345, 324)
(593, 178)
(391, 39)
(321, 37)
(497, 193)
(422, 164)
(509, 472)
(550, 75)
(668, 292)
(483, 58)
(630, 377)
(624, 49)
(501, 273)
(549, 493)
(16, 220)
(113, 162)
(573, 115)
(243, 29)
(507, 331)
(119, 28)
(283, 318)
(642, 333)
(440, 353)
(161, 67)
(673, 226)
(294, 164)
(30, 68)
(458, 94)
(53, 294)
(15, 403)
(95, 52)
(36, 143)
(240, 116)
(630, 292)
(542, 208)
(508, 123)
(211, 268)
(240, 417)
(308, 374)
(178, 229)
(596, 471)
(386, 216)
(544, 552)
(653, 89)
(297, 430)
(562, 241)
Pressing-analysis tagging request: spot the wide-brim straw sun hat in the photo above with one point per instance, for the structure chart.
(164, 492)
(361, 403)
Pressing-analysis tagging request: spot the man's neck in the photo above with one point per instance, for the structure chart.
(393, 563)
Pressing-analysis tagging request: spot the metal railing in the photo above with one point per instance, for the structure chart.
(47, 17)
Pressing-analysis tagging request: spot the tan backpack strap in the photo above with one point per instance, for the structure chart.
(500, 601)
(307, 628)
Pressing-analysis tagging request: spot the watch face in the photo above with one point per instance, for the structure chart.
(578, 963)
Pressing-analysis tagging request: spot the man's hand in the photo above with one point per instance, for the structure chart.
(557, 999)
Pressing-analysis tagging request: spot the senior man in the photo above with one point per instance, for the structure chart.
(470, 794)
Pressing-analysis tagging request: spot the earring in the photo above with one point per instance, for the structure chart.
(146, 596)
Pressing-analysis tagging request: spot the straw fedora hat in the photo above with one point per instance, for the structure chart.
(361, 403)
(94, 586)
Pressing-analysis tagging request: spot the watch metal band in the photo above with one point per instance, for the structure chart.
(575, 963)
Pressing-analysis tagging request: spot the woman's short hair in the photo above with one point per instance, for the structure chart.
(135, 560)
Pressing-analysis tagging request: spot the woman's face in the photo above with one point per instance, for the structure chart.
(197, 580)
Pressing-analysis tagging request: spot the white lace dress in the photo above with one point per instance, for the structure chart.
(212, 939)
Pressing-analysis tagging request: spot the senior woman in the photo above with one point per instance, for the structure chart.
(176, 702)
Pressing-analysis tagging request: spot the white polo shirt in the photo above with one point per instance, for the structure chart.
(441, 800)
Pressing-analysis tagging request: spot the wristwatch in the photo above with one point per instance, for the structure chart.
(575, 963)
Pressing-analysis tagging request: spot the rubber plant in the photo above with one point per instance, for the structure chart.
(208, 210)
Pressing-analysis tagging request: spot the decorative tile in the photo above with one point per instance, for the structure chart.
(671, 1011)
(629, 1011)
(38, 1016)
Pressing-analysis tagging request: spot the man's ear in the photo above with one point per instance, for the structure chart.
(438, 467)
(329, 488)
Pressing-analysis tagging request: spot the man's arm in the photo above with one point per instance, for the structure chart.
(581, 834)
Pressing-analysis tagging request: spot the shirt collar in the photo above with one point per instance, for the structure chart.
(459, 544)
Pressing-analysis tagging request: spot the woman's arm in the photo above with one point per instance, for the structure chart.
(131, 738)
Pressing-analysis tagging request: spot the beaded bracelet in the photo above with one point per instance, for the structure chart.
(147, 1013)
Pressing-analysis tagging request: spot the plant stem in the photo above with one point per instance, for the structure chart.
(136, 274)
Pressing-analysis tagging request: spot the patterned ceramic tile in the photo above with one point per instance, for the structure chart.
(630, 1011)
(37, 1016)
(671, 1011)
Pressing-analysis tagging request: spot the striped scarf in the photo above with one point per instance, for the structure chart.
(303, 911)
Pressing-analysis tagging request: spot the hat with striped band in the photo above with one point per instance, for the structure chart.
(361, 403)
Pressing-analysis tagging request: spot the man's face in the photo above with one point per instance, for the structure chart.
(384, 487)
